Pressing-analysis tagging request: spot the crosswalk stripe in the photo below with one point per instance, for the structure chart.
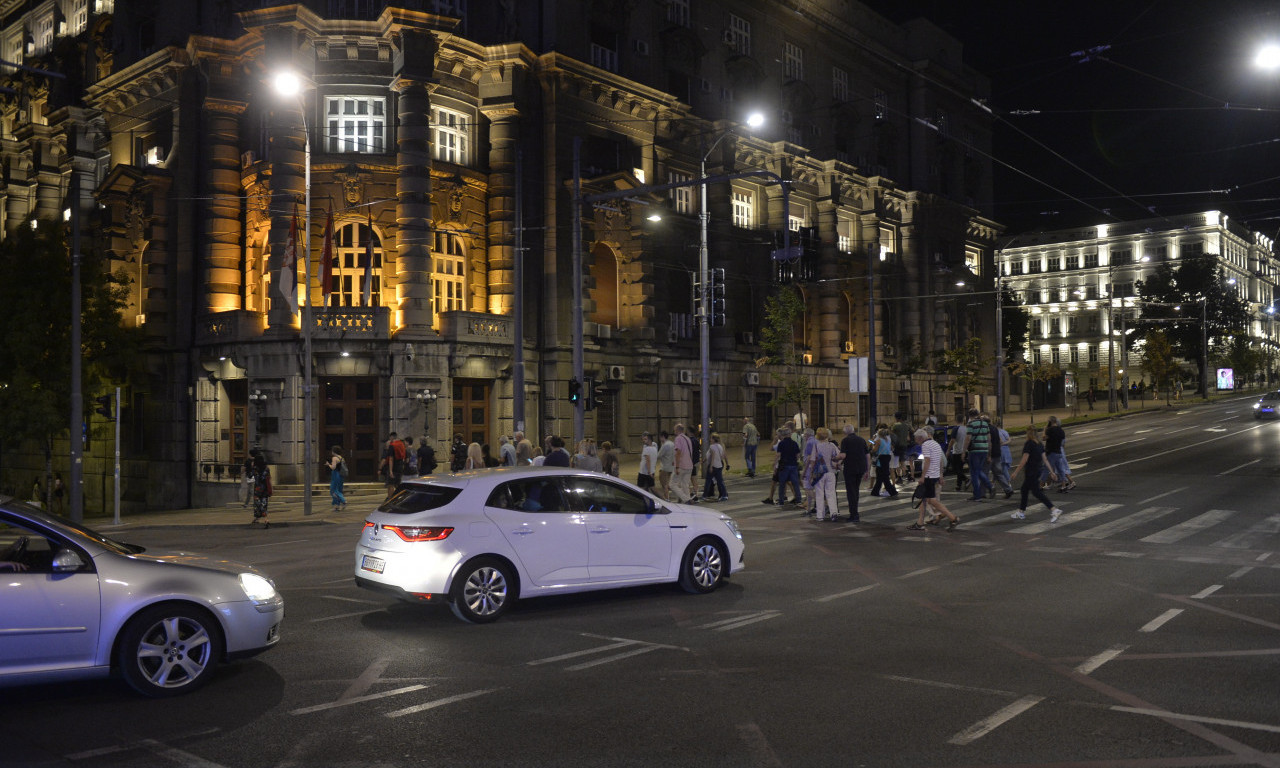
(1251, 538)
(1189, 527)
(1123, 524)
(1067, 519)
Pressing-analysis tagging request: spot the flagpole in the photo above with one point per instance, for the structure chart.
(307, 469)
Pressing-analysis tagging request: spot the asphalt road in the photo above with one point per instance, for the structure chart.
(1143, 629)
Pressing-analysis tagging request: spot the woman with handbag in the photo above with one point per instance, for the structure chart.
(823, 460)
(714, 464)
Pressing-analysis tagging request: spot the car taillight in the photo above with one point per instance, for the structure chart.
(418, 532)
(368, 524)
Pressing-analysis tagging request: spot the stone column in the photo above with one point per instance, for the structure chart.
(503, 131)
(830, 299)
(221, 281)
(415, 65)
(288, 159)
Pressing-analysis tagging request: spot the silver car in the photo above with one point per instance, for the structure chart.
(74, 603)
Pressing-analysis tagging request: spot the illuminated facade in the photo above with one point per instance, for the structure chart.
(429, 127)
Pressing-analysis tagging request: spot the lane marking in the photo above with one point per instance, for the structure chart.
(948, 686)
(1239, 466)
(276, 544)
(999, 718)
(1092, 664)
(1134, 555)
(970, 557)
(103, 751)
(1150, 456)
(1252, 537)
(1189, 527)
(758, 746)
(344, 616)
(1159, 621)
(356, 700)
(920, 572)
(1068, 518)
(1166, 493)
(587, 652)
(752, 620)
(1198, 719)
(1241, 572)
(439, 703)
(1264, 556)
(349, 599)
(1206, 592)
(614, 657)
(839, 595)
(1123, 524)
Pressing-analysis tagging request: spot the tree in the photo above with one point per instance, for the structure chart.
(1158, 361)
(1189, 300)
(778, 342)
(1034, 372)
(1015, 323)
(965, 365)
(1246, 360)
(35, 360)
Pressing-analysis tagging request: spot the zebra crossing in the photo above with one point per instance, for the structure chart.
(1117, 522)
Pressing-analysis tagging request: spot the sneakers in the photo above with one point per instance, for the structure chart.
(768, 501)
(1019, 515)
(915, 527)
(951, 526)
(723, 498)
(1070, 486)
(1008, 494)
(884, 493)
(1054, 514)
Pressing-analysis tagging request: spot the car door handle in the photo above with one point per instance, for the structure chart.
(600, 529)
(523, 531)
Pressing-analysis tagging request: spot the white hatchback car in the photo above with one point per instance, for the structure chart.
(74, 604)
(479, 540)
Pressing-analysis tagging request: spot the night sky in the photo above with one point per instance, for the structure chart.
(1173, 117)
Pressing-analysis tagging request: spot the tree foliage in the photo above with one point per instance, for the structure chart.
(782, 312)
(35, 360)
(1033, 373)
(1208, 308)
(1015, 324)
(967, 365)
(1158, 361)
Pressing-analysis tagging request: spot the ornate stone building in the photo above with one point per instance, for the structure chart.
(440, 138)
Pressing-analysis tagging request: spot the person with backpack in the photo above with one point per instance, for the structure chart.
(457, 454)
(901, 431)
(410, 458)
(824, 459)
(337, 478)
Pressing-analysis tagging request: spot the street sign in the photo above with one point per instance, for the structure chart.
(858, 374)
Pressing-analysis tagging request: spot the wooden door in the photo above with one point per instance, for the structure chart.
(471, 410)
(349, 418)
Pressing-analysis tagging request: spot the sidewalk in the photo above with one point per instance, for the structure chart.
(290, 513)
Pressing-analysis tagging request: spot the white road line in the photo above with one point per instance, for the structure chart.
(1092, 664)
(103, 751)
(987, 725)
(767, 615)
(1159, 621)
(1264, 556)
(1134, 555)
(839, 595)
(1198, 719)
(1241, 572)
(344, 616)
(1162, 495)
(920, 572)
(1074, 516)
(771, 541)
(1189, 527)
(439, 703)
(732, 620)
(949, 686)
(587, 652)
(349, 599)
(1202, 594)
(970, 557)
(758, 747)
(1150, 456)
(614, 657)
(276, 544)
(1123, 524)
(357, 700)
(1253, 537)
(1239, 466)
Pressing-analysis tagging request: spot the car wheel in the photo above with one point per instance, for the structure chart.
(169, 649)
(703, 566)
(482, 592)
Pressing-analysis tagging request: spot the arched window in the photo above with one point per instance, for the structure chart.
(448, 275)
(604, 268)
(351, 244)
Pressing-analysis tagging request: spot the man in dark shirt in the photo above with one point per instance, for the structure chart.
(978, 443)
(558, 457)
(853, 453)
(789, 470)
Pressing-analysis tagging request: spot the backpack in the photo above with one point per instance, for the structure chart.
(413, 462)
(342, 469)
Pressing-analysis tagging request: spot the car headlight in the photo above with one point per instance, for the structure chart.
(257, 588)
(1256, 406)
(733, 527)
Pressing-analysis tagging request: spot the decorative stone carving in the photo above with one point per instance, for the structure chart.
(353, 179)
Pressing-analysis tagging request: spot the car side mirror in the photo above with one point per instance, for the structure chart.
(652, 507)
(67, 561)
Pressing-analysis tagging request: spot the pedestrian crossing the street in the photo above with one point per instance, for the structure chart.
(1224, 529)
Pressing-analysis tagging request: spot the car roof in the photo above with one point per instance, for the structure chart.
(494, 475)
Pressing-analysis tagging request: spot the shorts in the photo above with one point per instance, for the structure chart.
(893, 461)
(900, 453)
(929, 488)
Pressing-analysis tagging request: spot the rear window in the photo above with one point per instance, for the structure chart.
(419, 498)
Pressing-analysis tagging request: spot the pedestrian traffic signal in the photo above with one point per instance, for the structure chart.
(590, 404)
(575, 390)
(104, 407)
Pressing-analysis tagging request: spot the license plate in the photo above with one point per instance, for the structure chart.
(371, 563)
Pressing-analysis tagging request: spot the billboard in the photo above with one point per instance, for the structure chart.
(1226, 378)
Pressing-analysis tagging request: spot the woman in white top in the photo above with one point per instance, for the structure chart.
(648, 463)
(821, 469)
(713, 464)
(475, 457)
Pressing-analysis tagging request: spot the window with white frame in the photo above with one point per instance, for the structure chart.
(839, 85)
(738, 35)
(355, 124)
(844, 236)
(1073, 261)
(792, 61)
(12, 49)
(1091, 260)
(42, 35)
(681, 197)
(77, 18)
(350, 255)
(678, 12)
(448, 275)
(794, 222)
(450, 132)
(1093, 353)
(744, 210)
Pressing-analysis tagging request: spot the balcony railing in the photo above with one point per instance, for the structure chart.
(476, 328)
(222, 327)
(352, 323)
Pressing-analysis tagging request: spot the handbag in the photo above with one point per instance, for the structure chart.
(819, 469)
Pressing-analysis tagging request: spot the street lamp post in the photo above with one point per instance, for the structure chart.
(1111, 337)
(288, 84)
(999, 341)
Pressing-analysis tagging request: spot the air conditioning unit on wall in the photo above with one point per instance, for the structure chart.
(686, 376)
(617, 373)
(752, 379)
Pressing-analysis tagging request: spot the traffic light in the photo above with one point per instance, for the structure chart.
(716, 284)
(104, 407)
(575, 390)
(590, 404)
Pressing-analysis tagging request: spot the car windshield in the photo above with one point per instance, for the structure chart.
(419, 498)
(1271, 397)
(78, 529)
